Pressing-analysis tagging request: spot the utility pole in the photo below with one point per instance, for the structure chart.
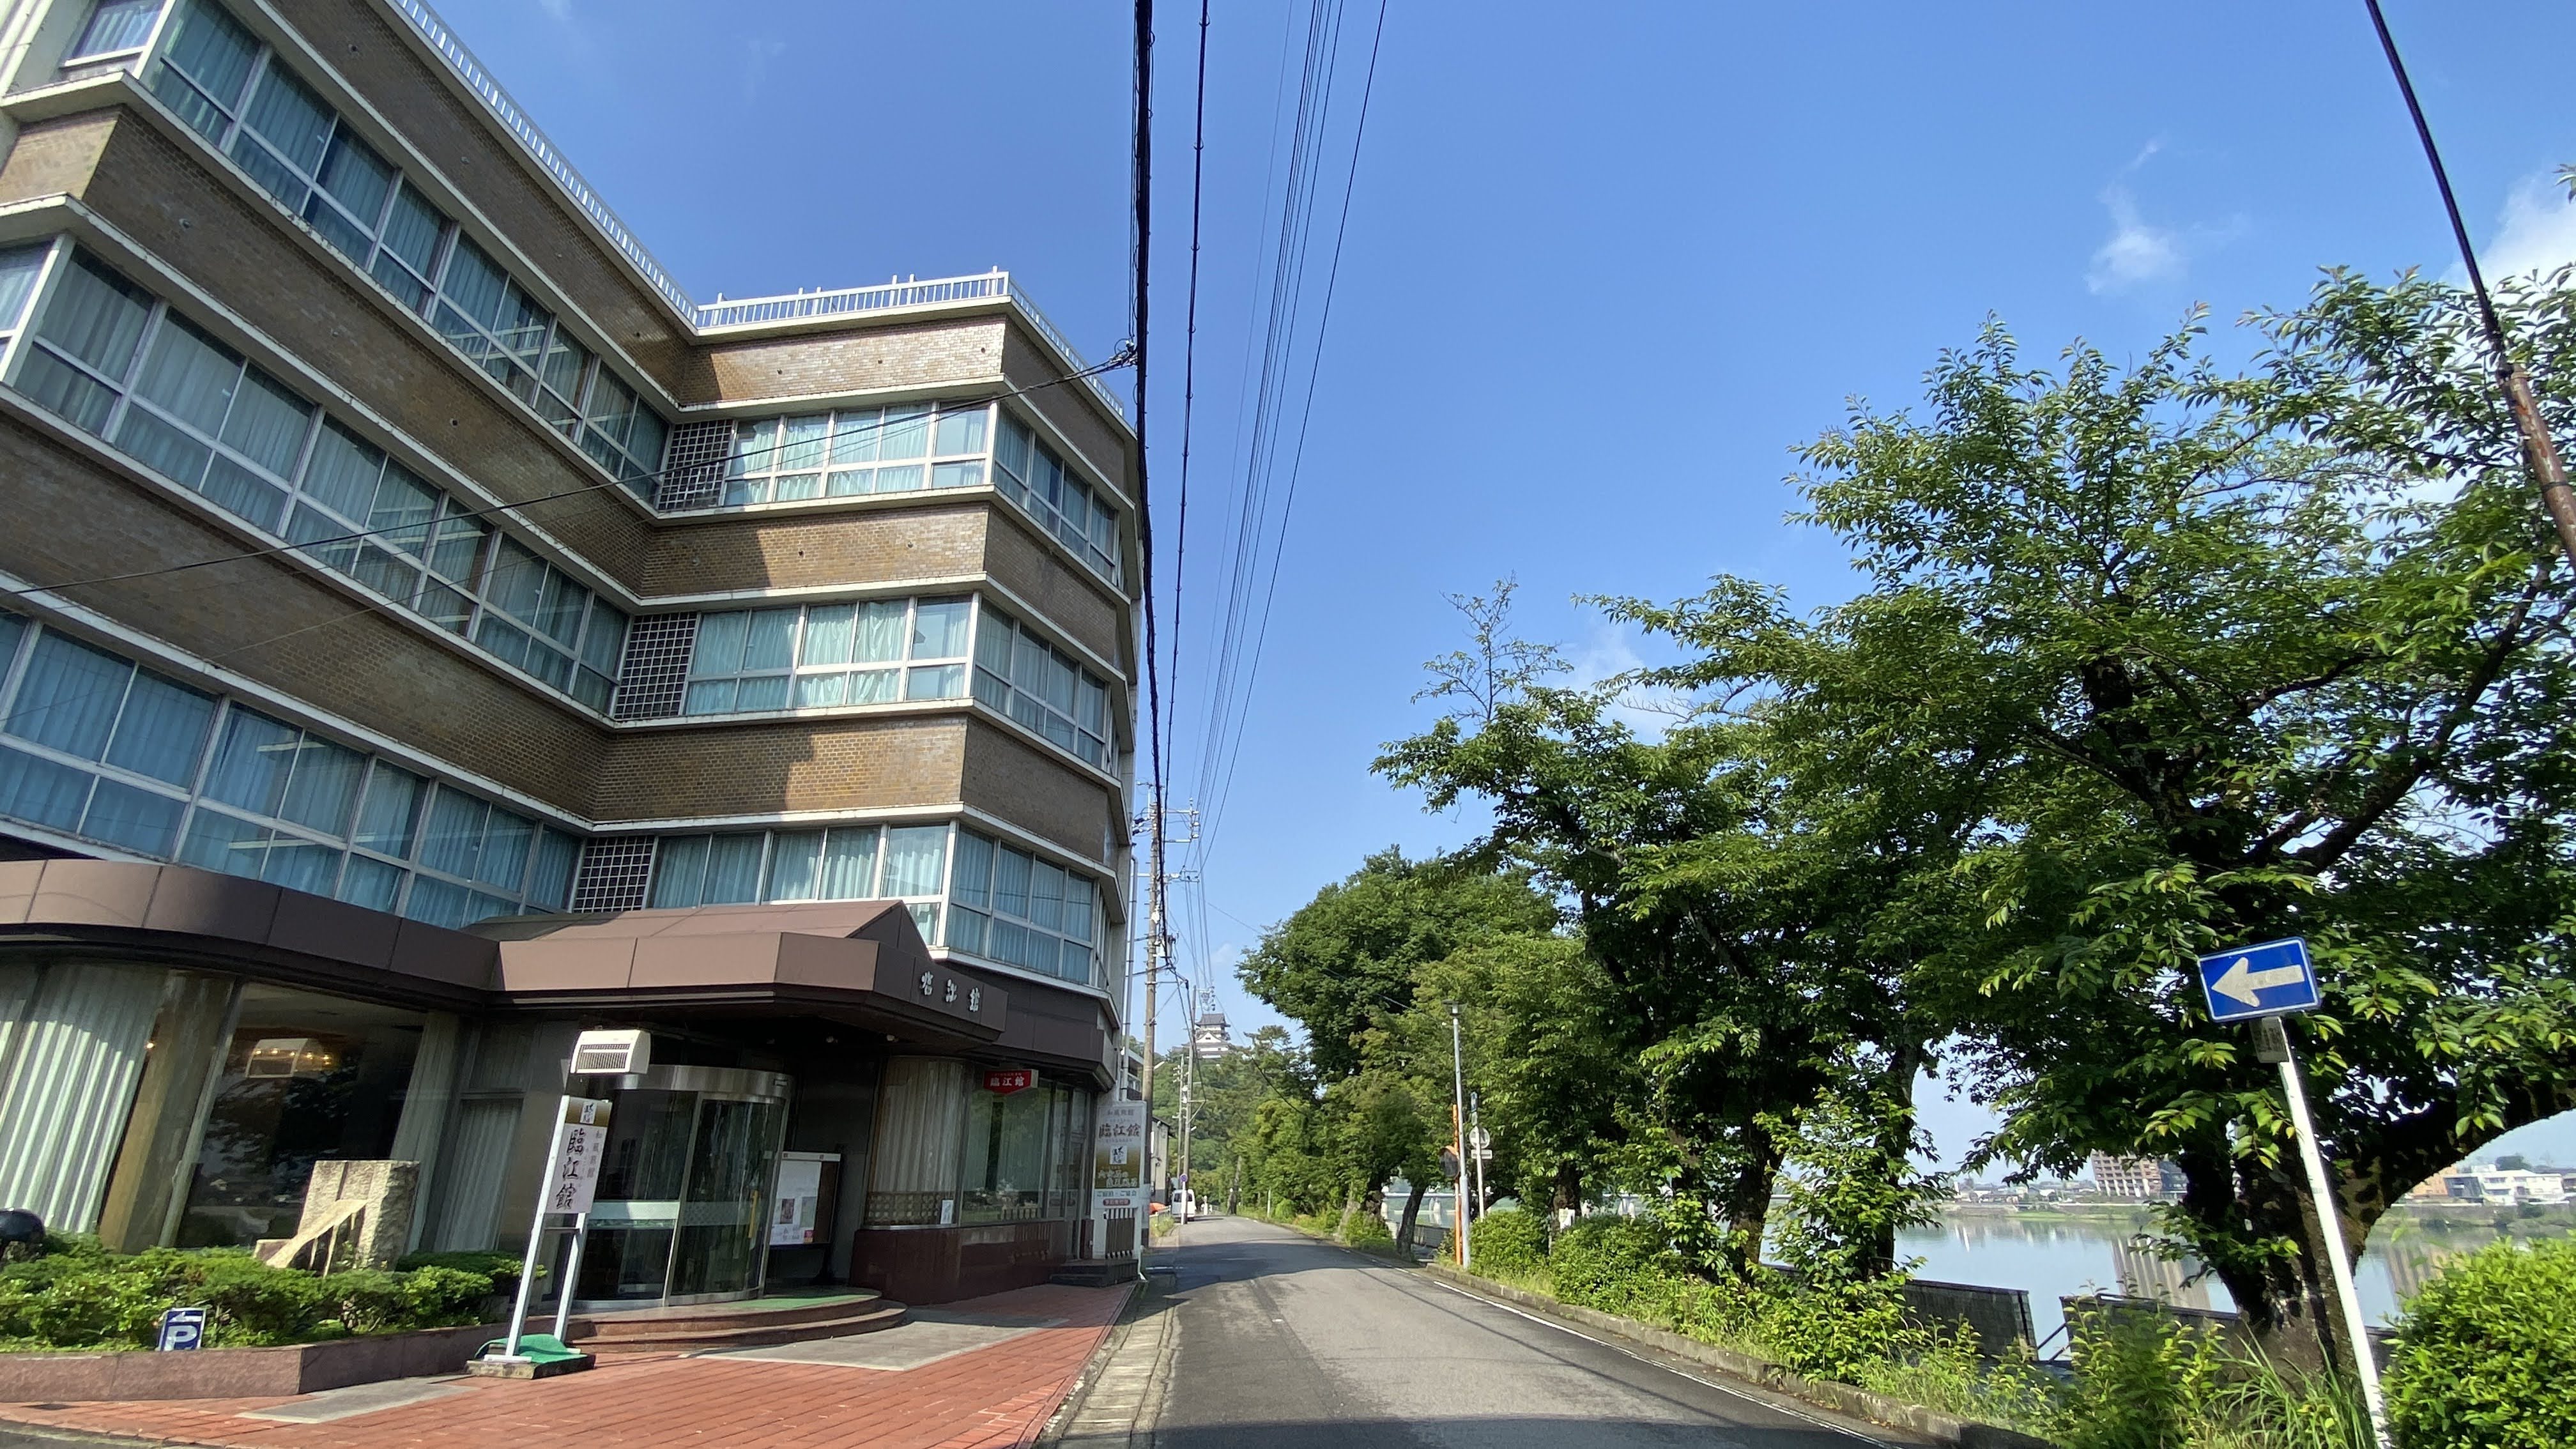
(1189, 1080)
(2539, 453)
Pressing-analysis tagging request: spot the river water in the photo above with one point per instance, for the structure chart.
(2054, 1255)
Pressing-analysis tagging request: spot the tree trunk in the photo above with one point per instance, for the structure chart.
(2282, 1304)
(1568, 1194)
(1404, 1229)
(1895, 1142)
(1746, 1203)
(1234, 1190)
(1342, 1225)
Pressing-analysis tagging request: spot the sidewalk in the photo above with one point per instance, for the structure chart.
(982, 1374)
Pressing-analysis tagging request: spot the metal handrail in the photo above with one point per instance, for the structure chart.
(537, 145)
(995, 285)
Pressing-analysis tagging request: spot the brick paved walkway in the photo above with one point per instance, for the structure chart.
(996, 1397)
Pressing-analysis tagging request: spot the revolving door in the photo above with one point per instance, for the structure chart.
(684, 1189)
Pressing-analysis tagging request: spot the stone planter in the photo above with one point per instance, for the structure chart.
(239, 1373)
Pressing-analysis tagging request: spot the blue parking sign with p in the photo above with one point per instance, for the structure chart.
(183, 1328)
(2272, 979)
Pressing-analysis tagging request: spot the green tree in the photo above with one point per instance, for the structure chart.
(2224, 659)
(1755, 921)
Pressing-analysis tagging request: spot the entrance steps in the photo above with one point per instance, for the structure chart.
(750, 1323)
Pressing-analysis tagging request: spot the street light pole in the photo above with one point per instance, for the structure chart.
(1458, 1133)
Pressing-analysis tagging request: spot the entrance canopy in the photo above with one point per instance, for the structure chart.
(862, 962)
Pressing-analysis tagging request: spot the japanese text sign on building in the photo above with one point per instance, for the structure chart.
(1003, 1081)
(1118, 1141)
(2272, 979)
(584, 1130)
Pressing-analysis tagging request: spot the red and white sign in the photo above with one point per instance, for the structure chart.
(1003, 1081)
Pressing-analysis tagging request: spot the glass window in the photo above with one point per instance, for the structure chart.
(114, 752)
(205, 60)
(19, 269)
(827, 654)
(70, 697)
(1030, 474)
(116, 25)
(1011, 907)
(819, 455)
(1020, 675)
(162, 731)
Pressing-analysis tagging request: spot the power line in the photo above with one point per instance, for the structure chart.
(1190, 352)
(1315, 363)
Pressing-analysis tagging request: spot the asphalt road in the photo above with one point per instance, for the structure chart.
(1287, 1343)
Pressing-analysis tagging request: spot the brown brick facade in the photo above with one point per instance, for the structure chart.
(311, 637)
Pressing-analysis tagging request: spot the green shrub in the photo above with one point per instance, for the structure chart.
(92, 1299)
(2486, 1354)
(1508, 1240)
(501, 1268)
(2133, 1379)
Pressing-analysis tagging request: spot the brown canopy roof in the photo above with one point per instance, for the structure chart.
(861, 961)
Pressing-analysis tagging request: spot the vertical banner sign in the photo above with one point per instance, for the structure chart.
(1117, 1167)
(585, 1142)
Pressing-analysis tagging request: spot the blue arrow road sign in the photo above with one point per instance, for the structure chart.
(2273, 979)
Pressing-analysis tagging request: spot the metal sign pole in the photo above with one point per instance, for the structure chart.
(572, 1275)
(536, 1234)
(2329, 1227)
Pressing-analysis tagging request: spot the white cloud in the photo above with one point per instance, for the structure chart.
(2137, 251)
(559, 9)
(756, 56)
(2538, 231)
(1608, 653)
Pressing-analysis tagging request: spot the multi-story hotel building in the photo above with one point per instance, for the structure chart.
(428, 634)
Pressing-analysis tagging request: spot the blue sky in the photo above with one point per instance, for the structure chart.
(1605, 266)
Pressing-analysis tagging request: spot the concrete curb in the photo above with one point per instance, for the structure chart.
(1758, 1372)
(1076, 1399)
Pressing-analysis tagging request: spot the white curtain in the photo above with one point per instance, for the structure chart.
(72, 1039)
(921, 1117)
(467, 1215)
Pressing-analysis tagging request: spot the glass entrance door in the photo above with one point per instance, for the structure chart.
(684, 1188)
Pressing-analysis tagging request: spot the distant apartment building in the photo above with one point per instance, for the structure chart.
(2136, 1179)
(2487, 1183)
(430, 632)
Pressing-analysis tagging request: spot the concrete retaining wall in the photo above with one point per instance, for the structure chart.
(238, 1373)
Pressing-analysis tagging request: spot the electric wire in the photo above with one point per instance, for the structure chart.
(1190, 357)
(1315, 363)
(1278, 330)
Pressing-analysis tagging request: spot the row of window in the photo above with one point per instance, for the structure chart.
(855, 451)
(883, 650)
(1029, 473)
(1020, 675)
(94, 746)
(998, 903)
(115, 361)
(240, 95)
(828, 654)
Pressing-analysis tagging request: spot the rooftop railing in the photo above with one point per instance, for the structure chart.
(535, 142)
(994, 285)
